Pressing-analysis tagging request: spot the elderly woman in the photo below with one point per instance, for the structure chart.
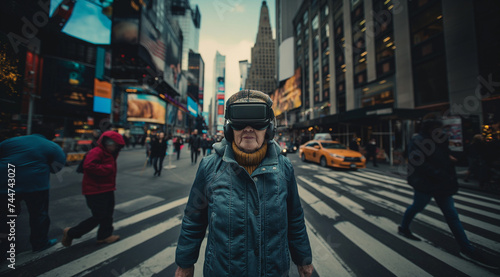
(246, 194)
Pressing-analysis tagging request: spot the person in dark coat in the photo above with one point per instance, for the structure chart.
(371, 151)
(431, 173)
(158, 152)
(476, 156)
(246, 195)
(195, 145)
(26, 163)
(204, 144)
(354, 145)
(177, 145)
(98, 186)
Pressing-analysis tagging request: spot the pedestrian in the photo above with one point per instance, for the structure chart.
(431, 173)
(195, 144)
(354, 145)
(96, 133)
(158, 152)
(178, 145)
(148, 151)
(98, 186)
(371, 151)
(210, 142)
(26, 163)
(245, 193)
(476, 156)
(204, 144)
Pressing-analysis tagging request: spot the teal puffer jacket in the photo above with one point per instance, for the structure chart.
(255, 222)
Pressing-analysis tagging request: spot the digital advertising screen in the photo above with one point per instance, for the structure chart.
(69, 87)
(192, 106)
(145, 108)
(153, 48)
(172, 70)
(84, 20)
(289, 96)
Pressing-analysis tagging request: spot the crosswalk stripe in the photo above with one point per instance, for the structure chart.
(325, 260)
(327, 180)
(410, 194)
(153, 265)
(390, 259)
(198, 266)
(28, 257)
(116, 248)
(491, 244)
(405, 183)
(466, 219)
(463, 193)
(459, 196)
(317, 204)
(390, 227)
(138, 203)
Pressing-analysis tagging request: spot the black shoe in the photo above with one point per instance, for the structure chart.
(407, 234)
(477, 258)
(159, 173)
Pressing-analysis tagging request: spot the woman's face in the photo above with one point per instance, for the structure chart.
(248, 139)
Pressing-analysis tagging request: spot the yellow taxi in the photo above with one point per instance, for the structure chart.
(331, 153)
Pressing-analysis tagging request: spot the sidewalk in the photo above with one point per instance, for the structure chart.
(400, 171)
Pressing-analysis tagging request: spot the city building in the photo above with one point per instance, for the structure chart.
(244, 67)
(98, 76)
(219, 92)
(189, 20)
(262, 73)
(197, 69)
(374, 67)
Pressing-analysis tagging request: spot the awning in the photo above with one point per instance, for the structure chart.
(364, 116)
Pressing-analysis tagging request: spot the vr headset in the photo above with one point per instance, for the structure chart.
(256, 115)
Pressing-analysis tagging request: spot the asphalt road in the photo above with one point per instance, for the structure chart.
(352, 218)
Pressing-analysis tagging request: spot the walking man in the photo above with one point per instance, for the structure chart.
(195, 144)
(29, 160)
(432, 174)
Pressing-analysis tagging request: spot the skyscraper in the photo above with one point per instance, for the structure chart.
(219, 92)
(262, 74)
(244, 66)
(189, 20)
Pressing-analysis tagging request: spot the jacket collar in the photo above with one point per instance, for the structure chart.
(268, 165)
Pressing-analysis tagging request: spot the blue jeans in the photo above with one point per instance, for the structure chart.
(447, 206)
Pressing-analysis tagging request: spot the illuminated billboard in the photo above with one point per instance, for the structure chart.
(82, 19)
(173, 44)
(69, 87)
(153, 48)
(192, 106)
(146, 108)
(289, 96)
(103, 91)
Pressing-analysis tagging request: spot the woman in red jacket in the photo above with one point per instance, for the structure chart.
(98, 186)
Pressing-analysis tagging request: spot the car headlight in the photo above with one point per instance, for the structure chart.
(294, 148)
(284, 150)
(336, 156)
(363, 158)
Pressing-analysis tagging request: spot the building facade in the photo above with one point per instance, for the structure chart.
(219, 92)
(244, 67)
(374, 67)
(189, 19)
(262, 74)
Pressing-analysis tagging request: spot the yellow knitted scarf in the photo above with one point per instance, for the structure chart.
(249, 161)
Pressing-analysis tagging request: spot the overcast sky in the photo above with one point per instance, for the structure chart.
(230, 27)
